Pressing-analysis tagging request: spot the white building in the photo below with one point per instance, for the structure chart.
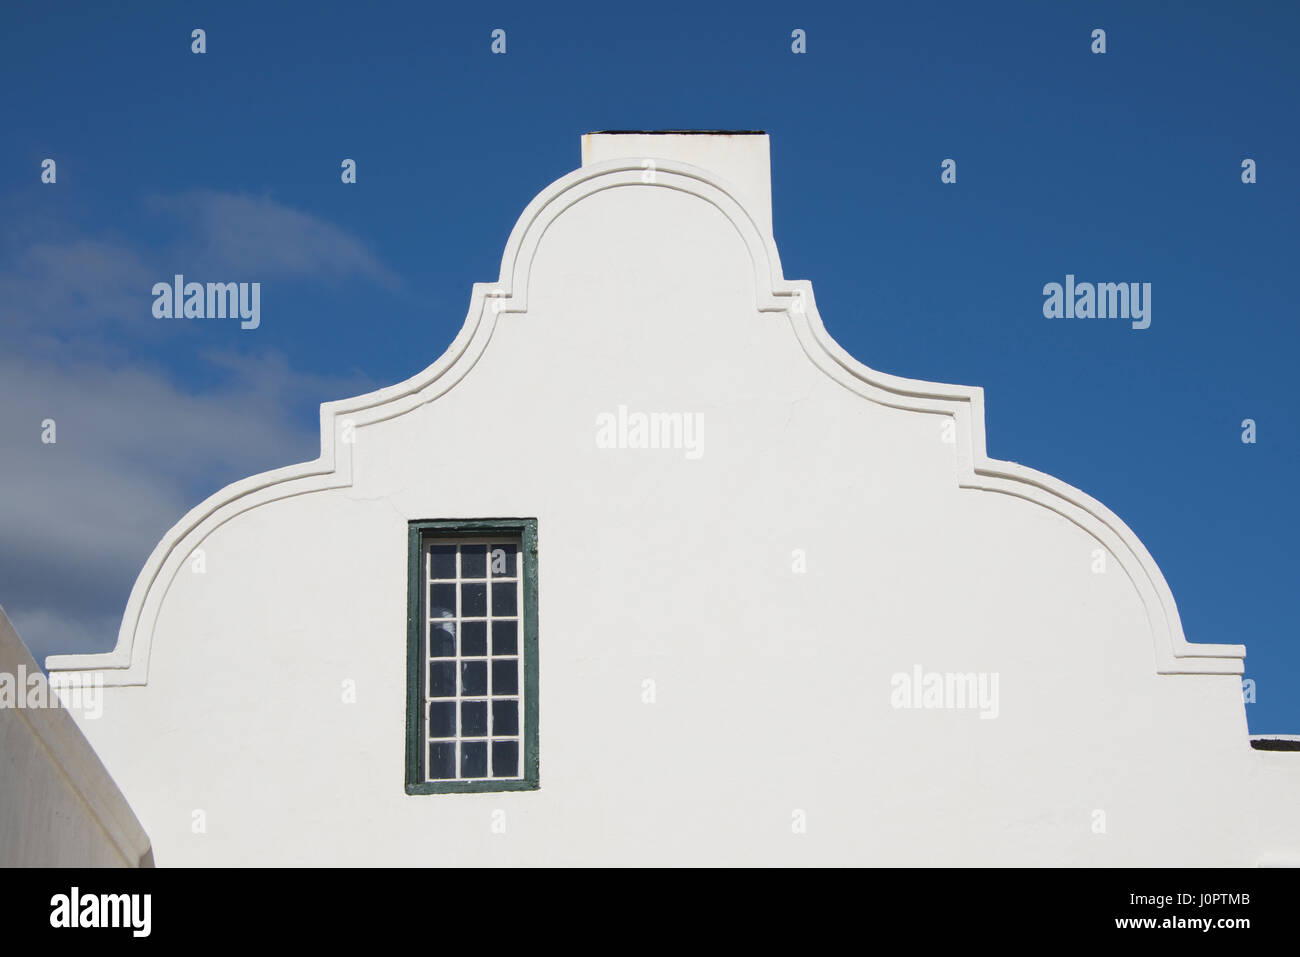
(733, 598)
(59, 806)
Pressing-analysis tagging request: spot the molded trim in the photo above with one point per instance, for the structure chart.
(128, 663)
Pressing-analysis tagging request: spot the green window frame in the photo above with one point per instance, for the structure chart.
(422, 535)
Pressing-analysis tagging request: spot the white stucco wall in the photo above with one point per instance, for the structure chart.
(58, 805)
(773, 687)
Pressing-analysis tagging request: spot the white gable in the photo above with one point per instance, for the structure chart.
(786, 582)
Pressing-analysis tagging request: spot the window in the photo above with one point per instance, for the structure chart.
(472, 656)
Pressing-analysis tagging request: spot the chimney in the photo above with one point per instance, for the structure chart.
(739, 157)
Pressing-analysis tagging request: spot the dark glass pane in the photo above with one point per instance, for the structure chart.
(505, 638)
(473, 638)
(442, 760)
(505, 759)
(473, 561)
(442, 601)
(505, 717)
(442, 679)
(442, 719)
(473, 759)
(473, 600)
(504, 599)
(502, 560)
(473, 677)
(505, 676)
(442, 561)
(473, 719)
(442, 640)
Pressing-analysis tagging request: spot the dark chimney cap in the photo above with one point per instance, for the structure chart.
(679, 133)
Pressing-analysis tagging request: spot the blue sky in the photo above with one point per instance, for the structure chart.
(1117, 167)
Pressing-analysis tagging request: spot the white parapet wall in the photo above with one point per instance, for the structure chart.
(59, 807)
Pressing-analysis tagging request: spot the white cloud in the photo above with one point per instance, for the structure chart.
(136, 448)
(247, 238)
(72, 283)
(221, 237)
(134, 452)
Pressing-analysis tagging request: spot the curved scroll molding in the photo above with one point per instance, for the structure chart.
(128, 663)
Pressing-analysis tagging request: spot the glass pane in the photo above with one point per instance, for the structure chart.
(504, 598)
(442, 679)
(473, 600)
(442, 760)
(442, 601)
(505, 676)
(473, 638)
(502, 560)
(442, 719)
(505, 759)
(473, 759)
(473, 561)
(473, 719)
(505, 638)
(442, 639)
(473, 677)
(442, 561)
(505, 717)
